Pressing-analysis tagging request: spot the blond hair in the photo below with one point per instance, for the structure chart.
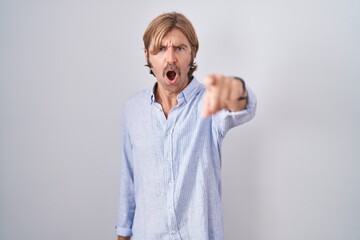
(163, 24)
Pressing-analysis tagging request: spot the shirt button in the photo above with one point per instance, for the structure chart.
(173, 232)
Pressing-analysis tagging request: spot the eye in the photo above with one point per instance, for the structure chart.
(180, 49)
(162, 49)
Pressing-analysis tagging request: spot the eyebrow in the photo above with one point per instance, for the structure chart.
(175, 46)
(180, 45)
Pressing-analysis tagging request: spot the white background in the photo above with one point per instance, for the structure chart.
(66, 68)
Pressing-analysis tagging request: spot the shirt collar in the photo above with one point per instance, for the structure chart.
(189, 91)
(152, 94)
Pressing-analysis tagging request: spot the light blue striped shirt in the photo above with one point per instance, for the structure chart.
(170, 177)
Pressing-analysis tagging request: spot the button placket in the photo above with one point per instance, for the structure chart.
(168, 153)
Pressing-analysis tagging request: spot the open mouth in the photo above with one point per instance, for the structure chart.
(171, 75)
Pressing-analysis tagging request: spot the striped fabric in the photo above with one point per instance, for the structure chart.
(170, 178)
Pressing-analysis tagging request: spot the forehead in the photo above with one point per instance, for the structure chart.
(175, 37)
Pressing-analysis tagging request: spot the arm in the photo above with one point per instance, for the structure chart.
(126, 200)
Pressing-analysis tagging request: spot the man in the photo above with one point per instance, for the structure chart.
(170, 183)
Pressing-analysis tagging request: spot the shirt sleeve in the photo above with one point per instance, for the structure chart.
(126, 200)
(225, 120)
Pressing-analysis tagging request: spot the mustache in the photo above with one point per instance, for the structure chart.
(171, 67)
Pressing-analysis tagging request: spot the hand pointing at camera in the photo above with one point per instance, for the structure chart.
(224, 93)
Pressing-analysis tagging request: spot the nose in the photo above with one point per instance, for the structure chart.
(171, 56)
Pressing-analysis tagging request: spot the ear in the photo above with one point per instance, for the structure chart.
(145, 54)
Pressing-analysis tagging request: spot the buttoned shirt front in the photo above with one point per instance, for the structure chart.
(170, 177)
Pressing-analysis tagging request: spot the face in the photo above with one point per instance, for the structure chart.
(171, 64)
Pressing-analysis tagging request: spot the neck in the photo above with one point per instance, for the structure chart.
(166, 99)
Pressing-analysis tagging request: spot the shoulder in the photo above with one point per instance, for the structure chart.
(138, 99)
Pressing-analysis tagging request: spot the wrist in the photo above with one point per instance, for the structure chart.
(244, 96)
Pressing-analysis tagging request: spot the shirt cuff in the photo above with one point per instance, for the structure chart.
(124, 232)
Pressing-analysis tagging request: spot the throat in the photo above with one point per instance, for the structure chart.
(167, 101)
